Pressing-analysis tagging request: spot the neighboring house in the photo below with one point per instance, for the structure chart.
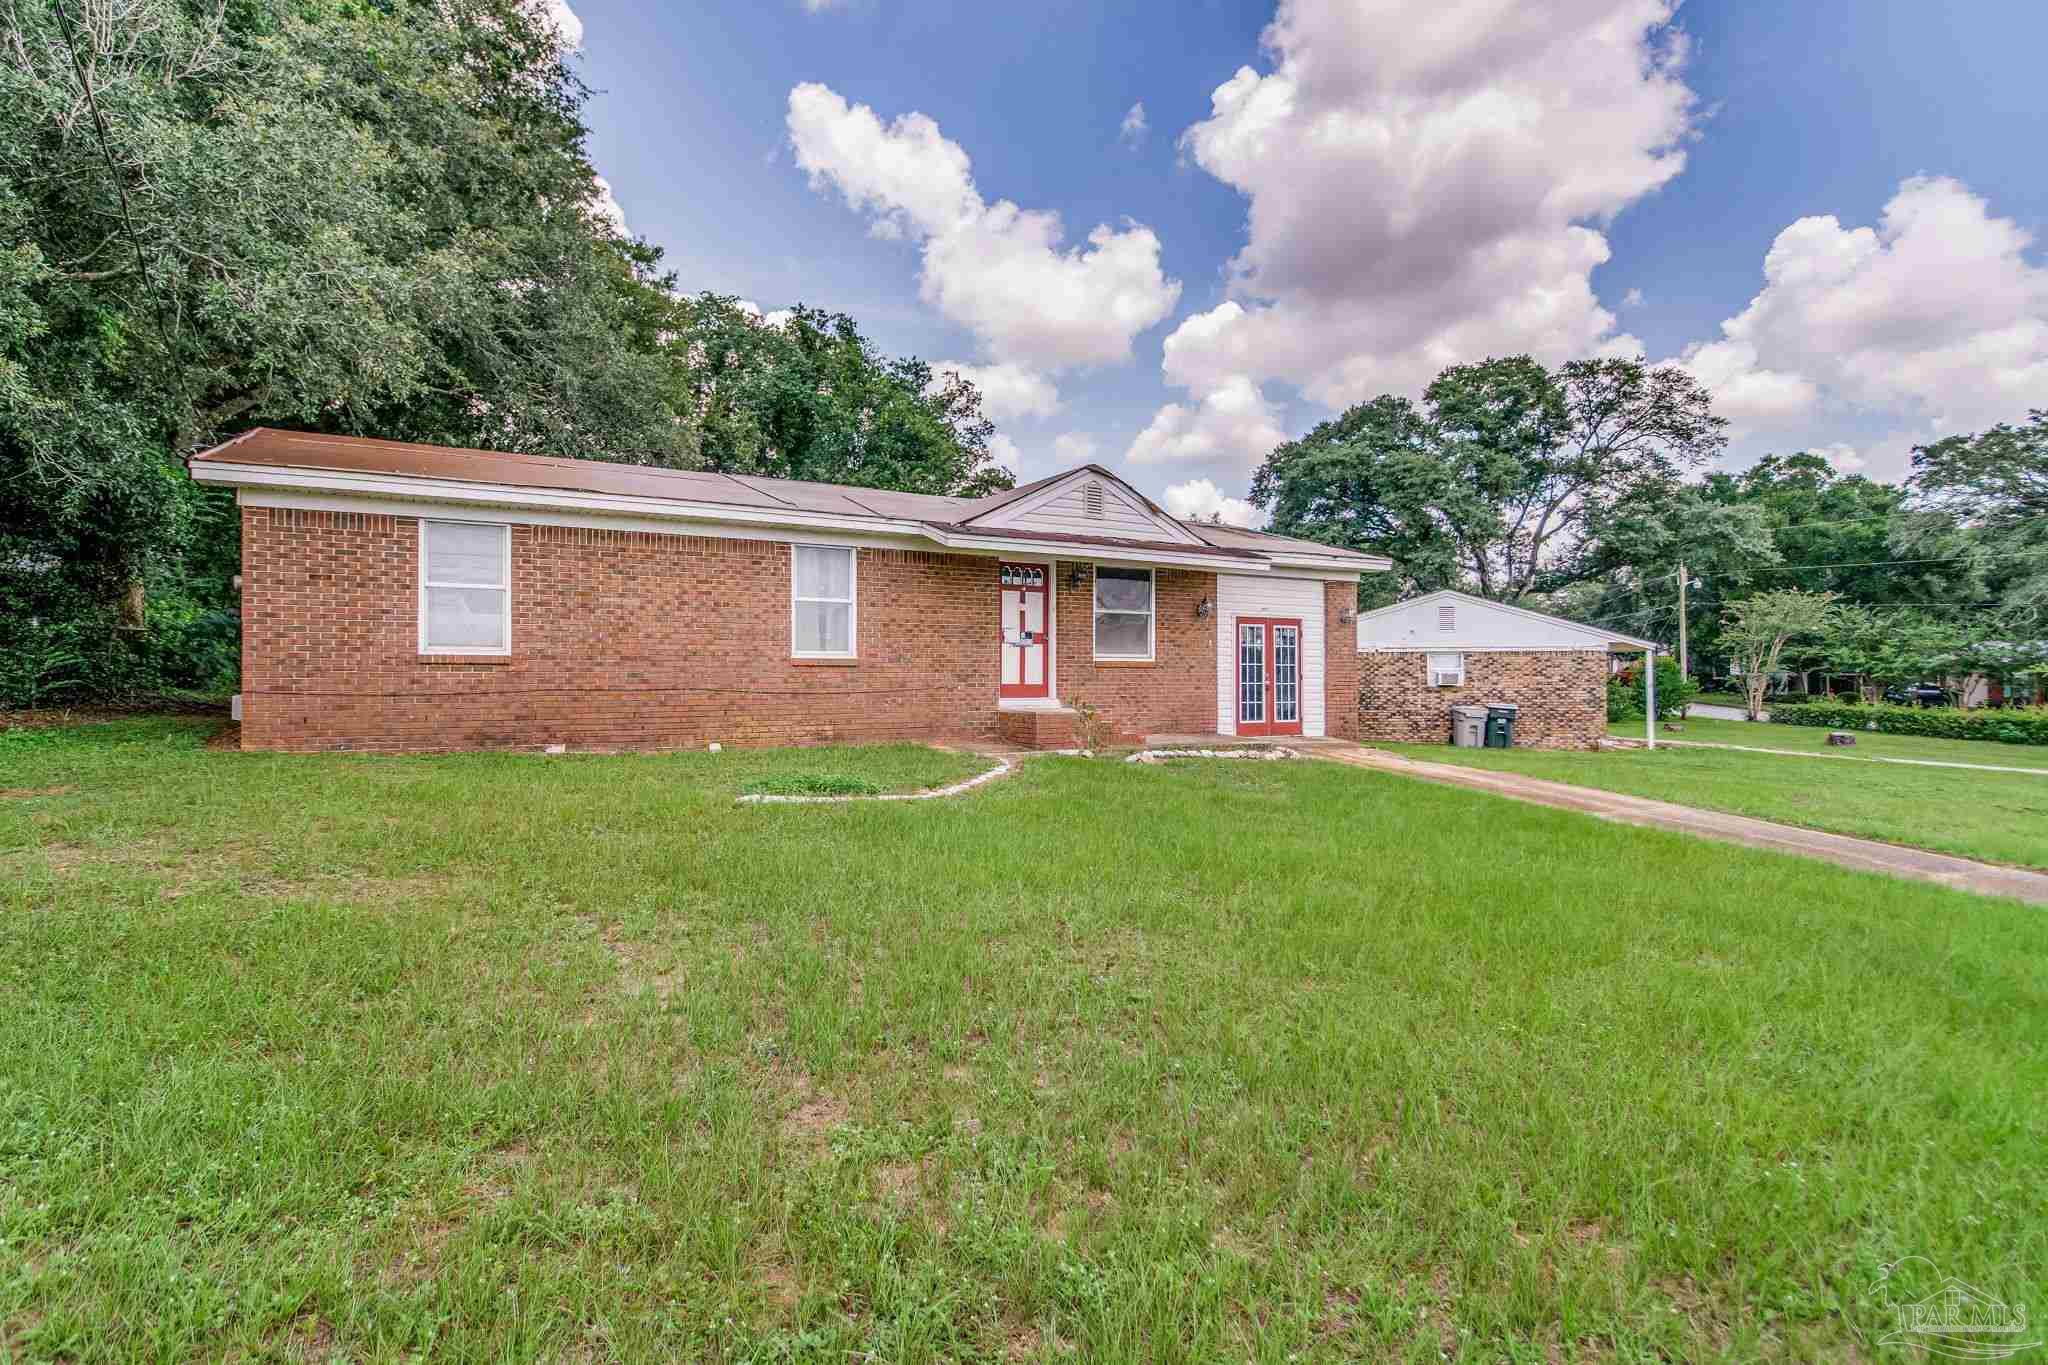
(400, 596)
(1419, 658)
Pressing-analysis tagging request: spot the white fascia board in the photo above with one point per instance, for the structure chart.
(1100, 554)
(413, 489)
(335, 490)
(487, 514)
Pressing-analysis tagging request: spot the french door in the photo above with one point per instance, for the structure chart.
(1268, 676)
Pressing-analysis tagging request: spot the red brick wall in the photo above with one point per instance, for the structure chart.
(1340, 661)
(1176, 691)
(1563, 697)
(626, 639)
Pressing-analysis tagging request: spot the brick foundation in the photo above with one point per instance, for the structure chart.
(627, 639)
(1562, 696)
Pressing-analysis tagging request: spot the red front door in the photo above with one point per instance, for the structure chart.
(1268, 676)
(1027, 652)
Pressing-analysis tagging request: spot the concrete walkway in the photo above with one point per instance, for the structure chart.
(1707, 710)
(1865, 855)
(1662, 742)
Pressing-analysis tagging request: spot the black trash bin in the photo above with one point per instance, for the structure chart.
(1500, 725)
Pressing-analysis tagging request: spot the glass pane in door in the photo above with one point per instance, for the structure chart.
(1286, 674)
(1251, 675)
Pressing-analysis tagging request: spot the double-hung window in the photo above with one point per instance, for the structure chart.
(1123, 613)
(821, 608)
(465, 588)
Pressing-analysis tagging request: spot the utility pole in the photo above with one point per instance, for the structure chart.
(1684, 662)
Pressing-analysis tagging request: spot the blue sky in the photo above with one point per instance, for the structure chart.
(1375, 189)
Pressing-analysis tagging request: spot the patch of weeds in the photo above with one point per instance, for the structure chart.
(813, 784)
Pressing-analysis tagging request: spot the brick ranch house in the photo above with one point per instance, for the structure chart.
(1419, 658)
(405, 597)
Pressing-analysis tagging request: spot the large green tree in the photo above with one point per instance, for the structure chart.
(1788, 521)
(1997, 482)
(361, 217)
(1503, 480)
(807, 396)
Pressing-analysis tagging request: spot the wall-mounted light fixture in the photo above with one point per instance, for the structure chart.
(1205, 609)
(1346, 615)
(1075, 576)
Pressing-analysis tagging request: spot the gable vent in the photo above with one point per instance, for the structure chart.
(1446, 618)
(1091, 499)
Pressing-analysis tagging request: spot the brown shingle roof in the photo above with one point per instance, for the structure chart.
(367, 455)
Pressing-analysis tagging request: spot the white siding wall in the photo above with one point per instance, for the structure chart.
(1269, 595)
(1474, 625)
(1066, 510)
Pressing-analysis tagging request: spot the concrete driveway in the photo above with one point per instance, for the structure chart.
(1865, 855)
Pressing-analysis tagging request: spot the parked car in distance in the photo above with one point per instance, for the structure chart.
(1920, 694)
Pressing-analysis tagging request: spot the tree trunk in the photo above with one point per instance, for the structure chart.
(129, 612)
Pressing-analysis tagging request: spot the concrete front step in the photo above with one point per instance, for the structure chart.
(1049, 727)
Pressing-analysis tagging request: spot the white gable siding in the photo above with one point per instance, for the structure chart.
(1475, 625)
(1064, 508)
(1269, 595)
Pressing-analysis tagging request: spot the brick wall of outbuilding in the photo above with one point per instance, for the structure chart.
(627, 639)
(1562, 696)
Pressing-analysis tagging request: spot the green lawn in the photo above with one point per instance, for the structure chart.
(506, 1058)
(1722, 698)
(1813, 740)
(1998, 817)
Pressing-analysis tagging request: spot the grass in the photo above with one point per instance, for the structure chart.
(1807, 739)
(896, 768)
(492, 1057)
(1996, 817)
(1724, 699)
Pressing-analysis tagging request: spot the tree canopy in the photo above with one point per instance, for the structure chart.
(375, 218)
(1505, 479)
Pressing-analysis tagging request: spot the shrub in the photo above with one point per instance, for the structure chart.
(1625, 699)
(2018, 725)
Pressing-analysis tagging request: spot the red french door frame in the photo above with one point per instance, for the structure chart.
(1267, 692)
(1025, 619)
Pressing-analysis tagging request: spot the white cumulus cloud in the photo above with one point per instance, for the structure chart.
(605, 208)
(1003, 272)
(1007, 391)
(1232, 424)
(1134, 127)
(1074, 447)
(1932, 321)
(1427, 184)
(1202, 500)
(1005, 452)
(557, 15)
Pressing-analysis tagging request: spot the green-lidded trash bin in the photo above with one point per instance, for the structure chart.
(1468, 727)
(1500, 725)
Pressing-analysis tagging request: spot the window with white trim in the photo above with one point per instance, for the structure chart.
(1123, 613)
(821, 610)
(465, 588)
(1446, 670)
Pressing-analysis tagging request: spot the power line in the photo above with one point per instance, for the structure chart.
(1884, 563)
